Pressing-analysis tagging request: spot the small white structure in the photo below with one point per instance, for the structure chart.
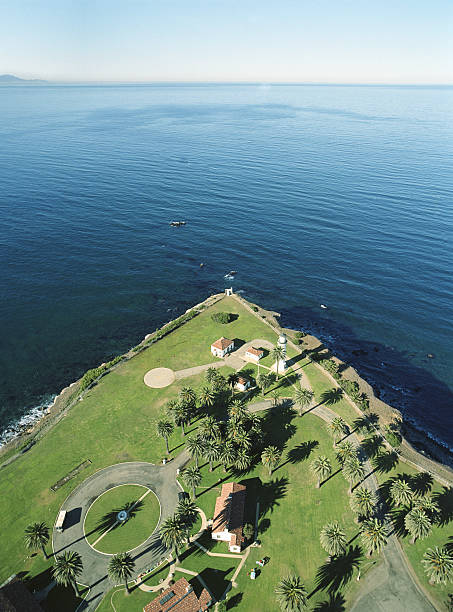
(229, 516)
(229, 291)
(254, 354)
(222, 347)
(242, 384)
(60, 521)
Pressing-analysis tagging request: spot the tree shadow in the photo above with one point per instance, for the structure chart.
(234, 601)
(445, 501)
(264, 525)
(335, 603)
(332, 396)
(372, 446)
(267, 493)
(366, 423)
(215, 484)
(337, 572)
(299, 453)
(422, 483)
(331, 476)
(397, 516)
(216, 579)
(384, 462)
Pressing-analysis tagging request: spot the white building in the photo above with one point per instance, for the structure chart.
(254, 354)
(280, 365)
(242, 384)
(222, 347)
(228, 518)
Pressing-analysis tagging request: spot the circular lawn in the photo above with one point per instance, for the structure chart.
(106, 534)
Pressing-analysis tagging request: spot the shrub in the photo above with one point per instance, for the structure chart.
(393, 437)
(255, 308)
(222, 317)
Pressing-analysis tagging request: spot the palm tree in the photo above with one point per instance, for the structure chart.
(418, 524)
(228, 455)
(427, 504)
(188, 395)
(243, 459)
(303, 398)
(270, 457)
(264, 382)
(339, 428)
(211, 375)
(238, 410)
(242, 439)
(67, 568)
(172, 533)
(195, 446)
(210, 428)
(322, 468)
(164, 430)
(120, 568)
(353, 471)
(37, 536)
(291, 594)
(180, 413)
(346, 450)
(278, 354)
(333, 539)
(207, 396)
(232, 380)
(438, 563)
(275, 396)
(187, 510)
(363, 501)
(374, 534)
(212, 452)
(401, 493)
(192, 478)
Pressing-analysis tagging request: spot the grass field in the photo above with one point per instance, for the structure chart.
(103, 531)
(116, 422)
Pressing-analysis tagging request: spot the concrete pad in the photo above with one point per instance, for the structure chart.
(157, 378)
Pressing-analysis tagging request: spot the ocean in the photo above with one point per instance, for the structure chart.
(335, 195)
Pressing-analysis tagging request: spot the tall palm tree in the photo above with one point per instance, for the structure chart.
(322, 468)
(345, 450)
(401, 493)
(270, 457)
(303, 398)
(418, 524)
(164, 430)
(195, 446)
(212, 452)
(120, 568)
(192, 478)
(207, 396)
(278, 354)
(427, 504)
(228, 455)
(275, 396)
(291, 594)
(242, 439)
(187, 510)
(37, 536)
(238, 409)
(374, 534)
(210, 428)
(339, 428)
(353, 471)
(67, 568)
(438, 564)
(264, 382)
(333, 539)
(363, 502)
(172, 533)
(188, 395)
(232, 380)
(180, 414)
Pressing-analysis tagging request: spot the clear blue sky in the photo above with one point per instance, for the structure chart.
(392, 41)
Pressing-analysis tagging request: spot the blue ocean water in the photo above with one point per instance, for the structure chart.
(339, 195)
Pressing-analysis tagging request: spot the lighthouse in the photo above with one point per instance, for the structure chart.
(281, 343)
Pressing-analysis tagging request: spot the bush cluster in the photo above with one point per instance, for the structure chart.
(350, 387)
(222, 317)
(91, 375)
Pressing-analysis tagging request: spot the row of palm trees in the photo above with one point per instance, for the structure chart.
(176, 529)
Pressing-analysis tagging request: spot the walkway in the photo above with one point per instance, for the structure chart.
(160, 479)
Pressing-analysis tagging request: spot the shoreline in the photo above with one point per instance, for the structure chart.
(27, 429)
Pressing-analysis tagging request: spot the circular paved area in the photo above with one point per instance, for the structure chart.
(160, 479)
(159, 377)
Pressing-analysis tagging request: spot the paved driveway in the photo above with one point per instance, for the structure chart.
(160, 479)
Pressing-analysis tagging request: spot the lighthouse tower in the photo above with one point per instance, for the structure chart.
(281, 343)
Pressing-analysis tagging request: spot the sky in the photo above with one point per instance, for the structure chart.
(340, 41)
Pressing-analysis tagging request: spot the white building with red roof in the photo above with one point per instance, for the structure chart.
(254, 354)
(222, 347)
(243, 383)
(228, 521)
(180, 597)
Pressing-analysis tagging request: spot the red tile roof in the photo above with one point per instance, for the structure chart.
(222, 343)
(242, 380)
(254, 351)
(180, 597)
(229, 512)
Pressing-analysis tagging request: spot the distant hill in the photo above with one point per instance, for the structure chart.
(10, 78)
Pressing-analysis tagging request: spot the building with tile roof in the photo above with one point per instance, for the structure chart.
(222, 347)
(180, 597)
(254, 354)
(228, 521)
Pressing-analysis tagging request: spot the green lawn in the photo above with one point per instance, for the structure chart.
(126, 536)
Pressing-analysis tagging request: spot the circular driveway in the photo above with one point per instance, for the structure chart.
(157, 378)
(160, 479)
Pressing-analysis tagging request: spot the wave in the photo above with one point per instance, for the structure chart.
(22, 424)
